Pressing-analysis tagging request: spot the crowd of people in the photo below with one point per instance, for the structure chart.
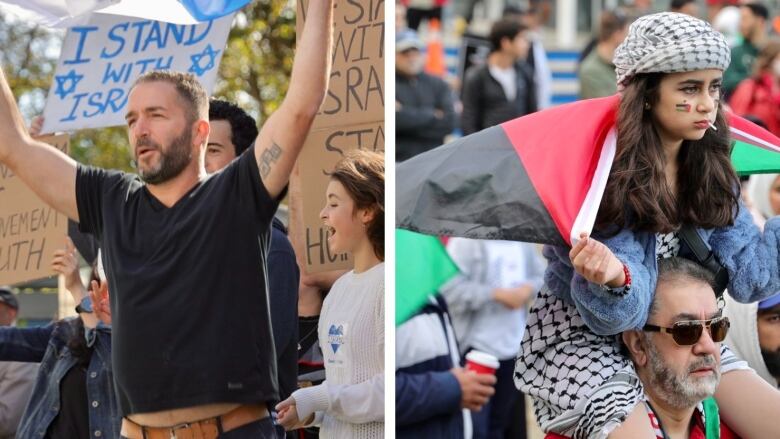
(197, 321)
(190, 323)
(627, 334)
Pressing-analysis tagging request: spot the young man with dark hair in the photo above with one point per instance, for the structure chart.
(193, 352)
(753, 19)
(232, 133)
(502, 88)
(505, 29)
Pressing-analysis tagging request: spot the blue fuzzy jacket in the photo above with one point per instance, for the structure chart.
(750, 257)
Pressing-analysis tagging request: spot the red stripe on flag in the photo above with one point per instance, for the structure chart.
(560, 150)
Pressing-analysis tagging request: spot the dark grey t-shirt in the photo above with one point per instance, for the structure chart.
(188, 284)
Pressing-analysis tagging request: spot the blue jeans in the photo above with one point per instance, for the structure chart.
(262, 429)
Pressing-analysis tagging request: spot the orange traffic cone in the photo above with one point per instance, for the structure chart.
(435, 64)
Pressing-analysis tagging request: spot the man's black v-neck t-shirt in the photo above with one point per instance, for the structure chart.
(188, 287)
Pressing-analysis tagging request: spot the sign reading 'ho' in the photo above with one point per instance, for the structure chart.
(101, 59)
(30, 230)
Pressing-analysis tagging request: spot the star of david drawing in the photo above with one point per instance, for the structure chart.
(72, 78)
(199, 69)
(336, 332)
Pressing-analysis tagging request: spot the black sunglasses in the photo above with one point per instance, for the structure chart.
(688, 332)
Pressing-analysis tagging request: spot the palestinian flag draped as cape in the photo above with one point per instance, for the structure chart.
(537, 178)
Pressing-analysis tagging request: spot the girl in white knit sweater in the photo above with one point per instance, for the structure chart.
(350, 402)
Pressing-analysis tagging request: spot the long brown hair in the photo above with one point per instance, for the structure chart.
(637, 195)
(362, 174)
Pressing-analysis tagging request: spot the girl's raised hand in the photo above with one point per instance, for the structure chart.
(595, 262)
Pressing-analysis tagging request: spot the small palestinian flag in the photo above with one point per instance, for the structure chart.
(537, 178)
(755, 150)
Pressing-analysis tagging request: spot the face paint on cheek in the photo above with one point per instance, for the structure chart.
(683, 108)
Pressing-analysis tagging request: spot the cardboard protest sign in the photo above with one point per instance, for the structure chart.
(101, 59)
(351, 117)
(30, 230)
(356, 91)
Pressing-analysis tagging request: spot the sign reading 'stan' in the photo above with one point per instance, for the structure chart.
(352, 117)
(30, 230)
(326, 149)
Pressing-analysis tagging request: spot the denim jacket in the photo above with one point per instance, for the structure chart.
(48, 345)
(750, 256)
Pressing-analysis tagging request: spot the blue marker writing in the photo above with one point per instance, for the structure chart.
(76, 100)
(114, 35)
(82, 31)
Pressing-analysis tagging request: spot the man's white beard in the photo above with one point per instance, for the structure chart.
(681, 390)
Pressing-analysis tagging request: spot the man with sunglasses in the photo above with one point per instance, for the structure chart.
(677, 353)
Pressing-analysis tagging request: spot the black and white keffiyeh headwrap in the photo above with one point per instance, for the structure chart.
(669, 42)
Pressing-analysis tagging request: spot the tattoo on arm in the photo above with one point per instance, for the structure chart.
(268, 158)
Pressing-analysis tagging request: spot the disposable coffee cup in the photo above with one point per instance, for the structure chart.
(481, 362)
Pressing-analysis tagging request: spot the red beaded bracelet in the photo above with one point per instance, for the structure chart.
(627, 284)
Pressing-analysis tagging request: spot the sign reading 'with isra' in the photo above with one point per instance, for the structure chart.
(30, 230)
(351, 117)
(101, 59)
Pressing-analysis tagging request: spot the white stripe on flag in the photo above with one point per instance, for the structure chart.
(169, 11)
(755, 139)
(586, 217)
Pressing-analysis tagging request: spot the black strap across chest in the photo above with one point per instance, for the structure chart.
(706, 258)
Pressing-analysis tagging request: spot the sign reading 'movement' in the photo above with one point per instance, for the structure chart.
(101, 59)
(350, 118)
(30, 230)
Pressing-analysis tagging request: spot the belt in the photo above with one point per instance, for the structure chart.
(209, 428)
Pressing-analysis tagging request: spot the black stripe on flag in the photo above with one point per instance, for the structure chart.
(475, 187)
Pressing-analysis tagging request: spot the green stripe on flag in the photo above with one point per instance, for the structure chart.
(422, 265)
(749, 159)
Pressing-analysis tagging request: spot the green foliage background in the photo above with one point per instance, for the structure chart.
(254, 72)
